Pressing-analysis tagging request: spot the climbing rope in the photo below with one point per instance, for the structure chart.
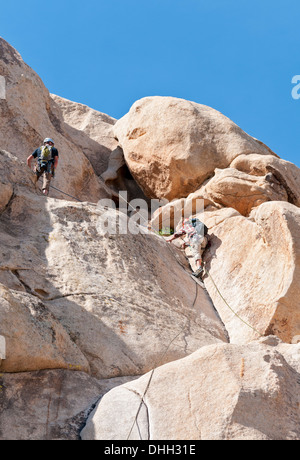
(206, 270)
(194, 302)
(161, 361)
(64, 193)
(173, 339)
(227, 304)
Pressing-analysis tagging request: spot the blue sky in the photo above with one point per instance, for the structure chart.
(237, 56)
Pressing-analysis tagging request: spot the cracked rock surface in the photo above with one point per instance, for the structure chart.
(220, 392)
(48, 404)
(105, 303)
(107, 336)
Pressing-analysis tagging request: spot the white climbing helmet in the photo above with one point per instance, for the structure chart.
(48, 139)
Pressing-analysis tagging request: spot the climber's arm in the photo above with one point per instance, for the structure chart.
(29, 160)
(175, 235)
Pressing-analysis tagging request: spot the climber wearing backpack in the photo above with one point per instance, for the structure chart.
(196, 232)
(47, 161)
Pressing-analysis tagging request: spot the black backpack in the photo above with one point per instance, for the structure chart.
(199, 226)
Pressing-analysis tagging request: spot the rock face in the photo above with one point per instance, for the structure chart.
(252, 265)
(255, 264)
(35, 339)
(235, 189)
(48, 405)
(116, 293)
(90, 130)
(29, 114)
(171, 145)
(220, 392)
(118, 177)
(277, 171)
(102, 324)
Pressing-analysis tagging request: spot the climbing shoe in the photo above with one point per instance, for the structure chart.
(198, 273)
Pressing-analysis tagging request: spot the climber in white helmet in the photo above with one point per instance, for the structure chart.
(47, 161)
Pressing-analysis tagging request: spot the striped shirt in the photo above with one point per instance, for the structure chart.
(186, 229)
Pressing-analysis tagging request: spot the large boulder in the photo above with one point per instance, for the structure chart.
(172, 145)
(228, 188)
(220, 392)
(235, 189)
(254, 270)
(90, 130)
(119, 179)
(249, 181)
(278, 172)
